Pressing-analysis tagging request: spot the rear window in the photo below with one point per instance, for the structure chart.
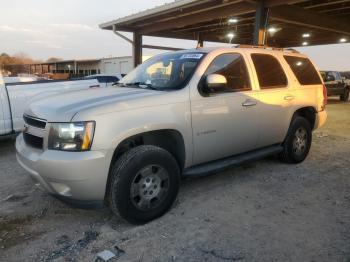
(304, 71)
(269, 70)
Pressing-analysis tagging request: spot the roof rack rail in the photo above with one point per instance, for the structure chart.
(292, 50)
(268, 47)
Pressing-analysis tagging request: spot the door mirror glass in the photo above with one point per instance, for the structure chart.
(216, 81)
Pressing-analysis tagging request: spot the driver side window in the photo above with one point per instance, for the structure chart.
(233, 67)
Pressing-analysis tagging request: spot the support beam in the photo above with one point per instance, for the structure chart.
(121, 35)
(326, 4)
(272, 3)
(298, 16)
(178, 22)
(161, 47)
(261, 16)
(137, 49)
(200, 40)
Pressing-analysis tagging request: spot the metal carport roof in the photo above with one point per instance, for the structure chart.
(278, 23)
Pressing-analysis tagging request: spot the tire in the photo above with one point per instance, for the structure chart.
(295, 149)
(345, 97)
(144, 184)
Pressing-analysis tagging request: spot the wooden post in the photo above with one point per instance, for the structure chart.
(137, 49)
(261, 16)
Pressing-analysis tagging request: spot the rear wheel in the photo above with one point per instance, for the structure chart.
(298, 141)
(144, 184)
(345, 97)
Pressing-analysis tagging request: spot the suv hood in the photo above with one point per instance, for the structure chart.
(63, 107)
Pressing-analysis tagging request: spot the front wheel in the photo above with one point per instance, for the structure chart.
(298, 141)
(345, 97)
(144, 183)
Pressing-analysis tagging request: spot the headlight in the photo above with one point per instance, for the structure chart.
(76, 136)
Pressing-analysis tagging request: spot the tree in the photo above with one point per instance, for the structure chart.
(53, 59)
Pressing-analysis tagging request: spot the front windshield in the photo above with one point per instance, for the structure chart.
(164, 72)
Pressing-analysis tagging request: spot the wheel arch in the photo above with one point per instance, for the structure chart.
(168, 139)
(309, 113)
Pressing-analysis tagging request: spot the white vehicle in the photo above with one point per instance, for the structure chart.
(106, 79)
(14, 96)
(19, 79)
(189, 113)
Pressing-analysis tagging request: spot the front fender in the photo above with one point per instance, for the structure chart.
(113, 128)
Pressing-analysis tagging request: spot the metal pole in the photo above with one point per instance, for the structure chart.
(260, 24)
(200, 40)
(137, 49)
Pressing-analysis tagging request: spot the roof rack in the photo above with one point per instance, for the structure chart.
(268, 48)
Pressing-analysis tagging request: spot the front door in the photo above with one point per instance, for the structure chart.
(224, 122)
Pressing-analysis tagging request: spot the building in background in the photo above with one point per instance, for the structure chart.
(84, 67)
(65, 69)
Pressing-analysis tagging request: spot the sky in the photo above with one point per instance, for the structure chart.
(69, 29)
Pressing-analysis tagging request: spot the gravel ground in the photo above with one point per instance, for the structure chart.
(263, 211)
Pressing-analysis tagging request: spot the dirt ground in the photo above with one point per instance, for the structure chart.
(263, 211)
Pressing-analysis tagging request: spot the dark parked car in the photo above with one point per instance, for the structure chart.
(336, 84)
(106, 79)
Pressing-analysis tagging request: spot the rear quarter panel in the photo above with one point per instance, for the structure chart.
(305, 95)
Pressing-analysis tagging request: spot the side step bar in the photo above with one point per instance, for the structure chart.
(226, 163)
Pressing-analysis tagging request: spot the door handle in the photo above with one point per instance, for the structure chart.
(249, 102)
(289, 97)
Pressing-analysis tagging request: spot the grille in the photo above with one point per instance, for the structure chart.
(34, 122)
(33, 141)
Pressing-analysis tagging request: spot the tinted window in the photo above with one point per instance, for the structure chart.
(304, 71)
(101, 79)
(233, 67)
(111, 79)
(337, 76)
(270, 72)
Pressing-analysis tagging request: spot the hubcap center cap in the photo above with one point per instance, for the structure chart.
(150, 186)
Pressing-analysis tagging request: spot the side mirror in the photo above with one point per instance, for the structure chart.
(216, 81)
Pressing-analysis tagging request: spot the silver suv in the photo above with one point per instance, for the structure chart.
(185, 113)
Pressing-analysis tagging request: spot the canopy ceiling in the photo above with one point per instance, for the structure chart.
(289, 23)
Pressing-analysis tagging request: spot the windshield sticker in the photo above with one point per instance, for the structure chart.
(191, 56)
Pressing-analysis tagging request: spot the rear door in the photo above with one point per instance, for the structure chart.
(275, 98)
(225, 121)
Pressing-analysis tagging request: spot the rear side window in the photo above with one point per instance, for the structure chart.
(269, 70)
(304, 71)
(102, 79)
(111, 79)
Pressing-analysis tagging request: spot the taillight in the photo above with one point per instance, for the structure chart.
(325, 97)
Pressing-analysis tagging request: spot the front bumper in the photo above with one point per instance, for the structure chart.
(321, 118)
(80, 176)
